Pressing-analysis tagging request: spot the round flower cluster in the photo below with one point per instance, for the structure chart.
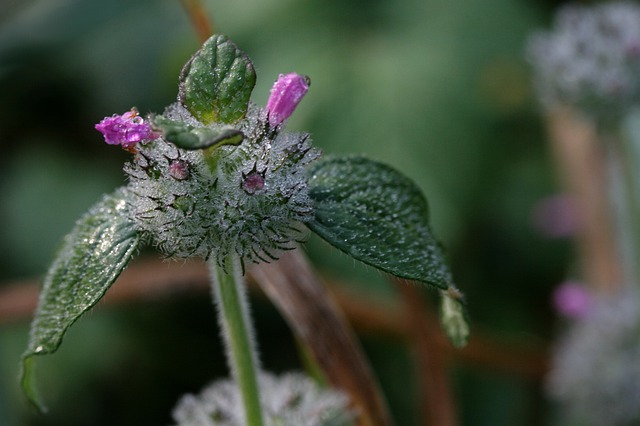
(289, 400)
(249, 200)
(591, 58)
(596, 374)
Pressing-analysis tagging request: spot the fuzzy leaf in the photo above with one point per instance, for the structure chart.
(189, 137)
(216, 83)
(453, 316)
(88, 262)
(378, 216)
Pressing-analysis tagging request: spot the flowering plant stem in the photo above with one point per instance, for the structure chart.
(229, 293)
(586, 172)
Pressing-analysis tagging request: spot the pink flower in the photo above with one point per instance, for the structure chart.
(572, 300)
(286, 93)
(126, 129)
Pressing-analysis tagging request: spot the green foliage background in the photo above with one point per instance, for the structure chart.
(439, 89)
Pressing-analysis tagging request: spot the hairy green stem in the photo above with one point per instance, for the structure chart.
(229, 293)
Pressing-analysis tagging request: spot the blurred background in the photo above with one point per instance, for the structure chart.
(439, 89)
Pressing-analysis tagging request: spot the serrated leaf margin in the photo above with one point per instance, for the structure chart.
(330, 191)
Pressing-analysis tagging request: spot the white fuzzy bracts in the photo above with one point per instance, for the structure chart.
(248, 200)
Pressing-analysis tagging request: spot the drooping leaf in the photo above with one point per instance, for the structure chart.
(216, 83)
(88, 262)
(378, 216)
(189, 137)
(453, 316)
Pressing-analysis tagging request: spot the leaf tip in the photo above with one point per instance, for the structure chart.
(453, 316)
(27, 382)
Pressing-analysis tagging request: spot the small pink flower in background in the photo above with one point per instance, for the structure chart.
(572, 300)
(286, 93)
(556, 216)
(126, 129)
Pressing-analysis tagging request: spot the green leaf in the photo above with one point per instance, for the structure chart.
(453, 316)
(88, 262)
(189, 137)
(378, 216)
(216, 83)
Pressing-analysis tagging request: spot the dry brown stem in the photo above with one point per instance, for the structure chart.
(317, 321)
(437, 402)
(581, 163)
(199, 18)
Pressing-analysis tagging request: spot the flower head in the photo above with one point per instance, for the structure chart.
(286, 93)
(288, 400)
(595, 376)
(126, 129)
(251, 203)
(590, 58)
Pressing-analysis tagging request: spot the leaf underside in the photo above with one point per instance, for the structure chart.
(216, 83)
(189, 137)
(378, 216)
(90, 259)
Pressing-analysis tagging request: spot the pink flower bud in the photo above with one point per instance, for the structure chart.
(126, 129)
(179, 170)
(253, 183)
(286, 93)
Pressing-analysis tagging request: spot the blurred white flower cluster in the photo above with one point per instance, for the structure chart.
(590, 59)
(289, 400)
(596, 373)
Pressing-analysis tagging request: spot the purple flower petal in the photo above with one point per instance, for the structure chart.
(126, 129)
(286, 93)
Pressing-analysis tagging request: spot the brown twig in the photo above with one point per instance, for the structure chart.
(199, 18)
(316, 320)
(146, 279)
(387, 319)
(437, 402)
(581, 164)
